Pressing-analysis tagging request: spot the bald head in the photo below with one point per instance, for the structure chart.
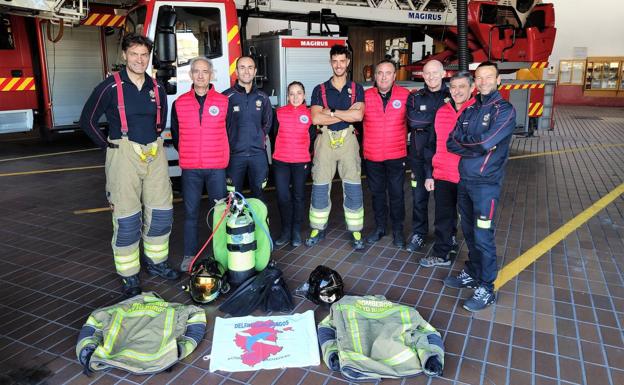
(433, 73)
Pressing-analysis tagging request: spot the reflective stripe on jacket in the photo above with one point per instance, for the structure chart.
(385, 131)
(369, 337)
(203, 143)
(292, 144)
(445, 164)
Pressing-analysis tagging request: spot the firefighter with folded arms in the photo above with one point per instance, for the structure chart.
(137, 180)
(336, 105)
(385, 149)
(446, 172)
(199, 134)
(422, 106)
(481, 137)
(291, 162)
(249, 121)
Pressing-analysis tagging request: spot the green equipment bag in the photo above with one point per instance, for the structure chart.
(263, 244)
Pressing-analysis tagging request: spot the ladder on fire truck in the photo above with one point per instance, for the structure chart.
(68, 12)
(429, 12)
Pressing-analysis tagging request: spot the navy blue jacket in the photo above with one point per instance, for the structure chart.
(422, 106)
(249, 120)
(140, 110)
(481, 137)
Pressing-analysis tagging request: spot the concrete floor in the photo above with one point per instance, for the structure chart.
(558, 322)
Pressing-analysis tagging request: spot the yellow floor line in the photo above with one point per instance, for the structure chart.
(545, 153)
(49, 154)
(50, 171)
(95, 210)
(514, 268)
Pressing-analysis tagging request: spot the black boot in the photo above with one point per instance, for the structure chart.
(162, 270)
(397, 239)
(131, 286)
(284, 237)
(295, 239)
(376, 235)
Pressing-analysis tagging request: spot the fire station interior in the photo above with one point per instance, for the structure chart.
(559, 228)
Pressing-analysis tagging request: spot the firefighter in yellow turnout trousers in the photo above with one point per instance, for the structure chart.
(137, 181)
(336, 104)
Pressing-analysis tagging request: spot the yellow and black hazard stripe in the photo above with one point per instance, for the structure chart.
(105, 20)
(17, 84)
(539, 64)
(535, 109)
(521, 86)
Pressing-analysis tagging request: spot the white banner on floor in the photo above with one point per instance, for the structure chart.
(250, 343)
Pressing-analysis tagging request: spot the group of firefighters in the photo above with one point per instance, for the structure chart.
(459, 145)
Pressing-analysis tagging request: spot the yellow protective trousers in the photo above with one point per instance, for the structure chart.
(337, 150)
(138, 189)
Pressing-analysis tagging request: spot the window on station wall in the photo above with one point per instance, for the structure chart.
(6, 34)
(571, 72)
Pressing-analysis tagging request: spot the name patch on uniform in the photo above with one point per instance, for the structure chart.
(304, 119)
(396, 104)
(236, 108)
(214, 110)
(423, 107)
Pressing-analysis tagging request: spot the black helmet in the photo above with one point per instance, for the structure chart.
(324, 286)
(207, 281)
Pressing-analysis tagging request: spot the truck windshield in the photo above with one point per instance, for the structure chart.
(198, 33)
(135, 20)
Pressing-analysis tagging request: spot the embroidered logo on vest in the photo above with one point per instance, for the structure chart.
(423, 107)
(213, 110)
(304, 119)
(396, 104)
(258, 104)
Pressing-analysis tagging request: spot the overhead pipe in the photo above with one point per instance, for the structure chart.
(462, 34)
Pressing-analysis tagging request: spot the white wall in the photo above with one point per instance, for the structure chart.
(596, 24)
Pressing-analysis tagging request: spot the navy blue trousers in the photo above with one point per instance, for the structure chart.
(477, 206)
(445, 225)
(291, 199)
(193, 182)
(255, 167)
(385, 181)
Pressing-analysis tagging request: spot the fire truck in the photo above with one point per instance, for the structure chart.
(54, 52)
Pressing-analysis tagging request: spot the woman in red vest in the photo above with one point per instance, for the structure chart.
(291, 162)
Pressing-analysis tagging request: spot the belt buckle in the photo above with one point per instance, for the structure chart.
(335, 143)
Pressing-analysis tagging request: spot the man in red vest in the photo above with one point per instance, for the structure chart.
(198, 129)
(446, 172)
(385, 149)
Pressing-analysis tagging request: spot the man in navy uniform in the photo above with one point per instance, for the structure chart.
(422, 106)
(481, 137)
(249, 120)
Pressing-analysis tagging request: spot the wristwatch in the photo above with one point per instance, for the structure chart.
(332, 112)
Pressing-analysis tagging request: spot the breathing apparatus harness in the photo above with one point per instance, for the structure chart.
(240, 221)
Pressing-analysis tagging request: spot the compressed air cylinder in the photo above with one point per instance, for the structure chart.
(241, 247)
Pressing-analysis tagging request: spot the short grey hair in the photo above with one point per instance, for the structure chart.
(462, 75)
(202, 59)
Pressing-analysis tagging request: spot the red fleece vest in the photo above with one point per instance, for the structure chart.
(446, 164)
(385, 132)
(292, 144)
(205, 144)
